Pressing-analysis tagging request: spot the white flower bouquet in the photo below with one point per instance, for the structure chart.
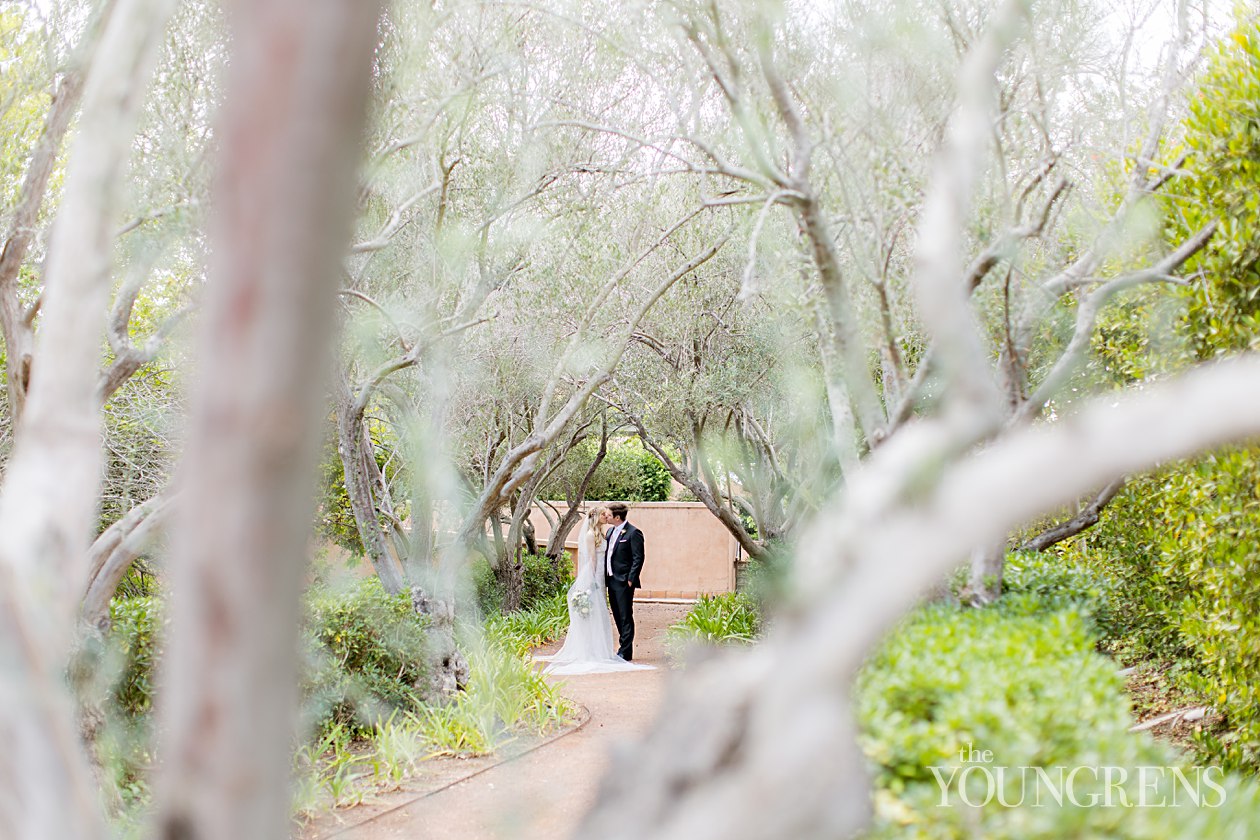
(581, 602)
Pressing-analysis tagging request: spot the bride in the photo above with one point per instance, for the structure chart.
(589, 648)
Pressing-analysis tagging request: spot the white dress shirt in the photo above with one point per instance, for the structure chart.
(608, 549)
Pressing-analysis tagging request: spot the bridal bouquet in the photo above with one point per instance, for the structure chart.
(581, 602)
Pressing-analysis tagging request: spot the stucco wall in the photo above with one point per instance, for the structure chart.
(687, 551)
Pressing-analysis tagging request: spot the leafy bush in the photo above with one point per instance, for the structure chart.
(1022, 680)
(1058, 585)
(544, 580)
(508, 692)
(654, 480)
(718, 619)
(135, 636)
(1177, 546)
(366, 652)
(505, 697)
(1179, 549)
(628, 473)
(1222, 166)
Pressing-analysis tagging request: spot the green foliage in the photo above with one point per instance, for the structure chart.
(730, 618)
(766, 580)
(23, 97)
(1222, 142)
(654, 480)
(334, 520)
(545, 621)
(140, 581)
(1057, 585)
(545, 580)
(507, 692)
(1179, 548)
(1021, 679)
(135, 634)
(366, 652)
(127, 672)
(506, 696)
(628, 473)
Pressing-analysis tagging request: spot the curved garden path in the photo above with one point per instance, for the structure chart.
(543, 793)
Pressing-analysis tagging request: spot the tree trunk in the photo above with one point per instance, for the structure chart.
(984, 580)
(356, 452)
(447, 671)
(560, 534)
(112, 554)
(754, 549)
(288, 137)
(110, 557)
(51, 484)
(16, 321)
(510, 574)
(520, 529)
(530, 536)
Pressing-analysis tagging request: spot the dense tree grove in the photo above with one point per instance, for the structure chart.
(890, 289)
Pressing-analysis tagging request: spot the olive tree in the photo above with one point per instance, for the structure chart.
(953, 480)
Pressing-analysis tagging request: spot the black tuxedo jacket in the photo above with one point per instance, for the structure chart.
(627, 556)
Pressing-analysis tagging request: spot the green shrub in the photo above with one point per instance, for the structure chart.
(1059, 585)
(366, 652)
(628, 473)
(505, 697)
(506, 694)
(135, 636)
(654, 480)
(544, 580)
(1179, 548)
(717, 619)
(1217, 183)
(1022, 680)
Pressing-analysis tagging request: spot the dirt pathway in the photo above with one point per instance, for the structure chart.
(544, 793)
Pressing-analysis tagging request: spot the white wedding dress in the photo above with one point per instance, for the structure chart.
(588, 647)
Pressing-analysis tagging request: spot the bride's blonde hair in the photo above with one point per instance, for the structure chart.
(592, 518)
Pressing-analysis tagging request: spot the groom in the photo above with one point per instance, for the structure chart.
(623, 560)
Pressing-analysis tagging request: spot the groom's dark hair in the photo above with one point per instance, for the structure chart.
(618, 511)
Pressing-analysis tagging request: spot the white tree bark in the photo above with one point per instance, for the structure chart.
(48, 503)
(16, 321)
(771, 725)
(113, 552)
(753, 730)
(289, 135)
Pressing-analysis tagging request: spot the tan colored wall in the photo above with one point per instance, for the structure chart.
(687, 551)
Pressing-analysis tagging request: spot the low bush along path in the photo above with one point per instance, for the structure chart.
(543, 793)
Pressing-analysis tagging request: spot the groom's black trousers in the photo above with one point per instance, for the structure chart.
(621, 602)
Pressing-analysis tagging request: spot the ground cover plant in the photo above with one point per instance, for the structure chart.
(715, 620)
(366, 726)
(1024, 679)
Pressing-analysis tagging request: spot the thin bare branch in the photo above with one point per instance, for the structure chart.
(1087, 316)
